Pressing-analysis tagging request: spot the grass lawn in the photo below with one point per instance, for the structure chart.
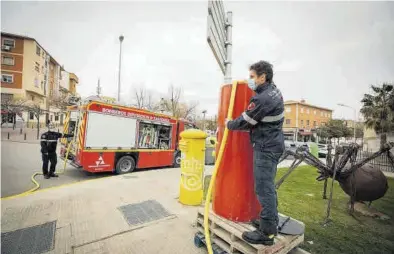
(300, 197)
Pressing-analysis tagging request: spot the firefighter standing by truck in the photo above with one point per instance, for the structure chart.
(264, 119)
(48, 150)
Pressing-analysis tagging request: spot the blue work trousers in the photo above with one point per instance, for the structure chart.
(264, 169)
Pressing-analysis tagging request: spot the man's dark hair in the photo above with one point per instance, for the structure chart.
(263, 67)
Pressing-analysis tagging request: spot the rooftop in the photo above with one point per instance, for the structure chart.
(302, 102)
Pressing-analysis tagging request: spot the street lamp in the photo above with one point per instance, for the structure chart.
(203, 119)
(355, 119)
(120, 64)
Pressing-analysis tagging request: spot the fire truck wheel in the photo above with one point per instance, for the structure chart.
(177, 160)
(126, 164)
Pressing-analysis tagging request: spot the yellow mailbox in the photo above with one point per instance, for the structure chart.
(192, 146)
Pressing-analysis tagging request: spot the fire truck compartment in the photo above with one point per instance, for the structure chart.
(110, 131)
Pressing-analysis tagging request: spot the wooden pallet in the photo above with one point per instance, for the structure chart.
(228, 236)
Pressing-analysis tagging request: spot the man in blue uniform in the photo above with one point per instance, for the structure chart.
(48, 150)
(264, 119)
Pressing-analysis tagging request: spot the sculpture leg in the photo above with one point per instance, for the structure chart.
(293, 166)
(325, 189)
(330, 199)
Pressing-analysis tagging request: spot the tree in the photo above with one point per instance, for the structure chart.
(378, 110)
(176, 107)
(144, 98)
(323, 132)
(335, 128)
(211, 124)
(35, 108)
(13, 106)
(60, 102)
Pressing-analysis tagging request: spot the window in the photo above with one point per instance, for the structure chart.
(38, 50)
(329, 115)
(6, 96)
(288, 109)
(7, 78)
(314, 112)
(325, 114)
(302, 110)
(307, 122)
(56, 117)
(314, 123)
(51, 118)
(37, 67)
(9, 42)
(31, 116)
(8, 60)
(288, 121)
(307, 111)
(302, 122)
(321, 113)
(154, 136)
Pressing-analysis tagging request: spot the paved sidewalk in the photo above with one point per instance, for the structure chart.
(88, 219)
(7, 133)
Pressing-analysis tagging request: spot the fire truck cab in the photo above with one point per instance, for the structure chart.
(110, 137)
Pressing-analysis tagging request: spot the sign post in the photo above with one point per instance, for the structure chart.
(219, 36)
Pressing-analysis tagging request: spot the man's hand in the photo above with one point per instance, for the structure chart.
(226, 121)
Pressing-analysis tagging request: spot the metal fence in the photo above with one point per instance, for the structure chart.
(382, 162)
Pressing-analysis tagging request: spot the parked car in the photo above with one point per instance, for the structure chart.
(322, 150)
(290, 145)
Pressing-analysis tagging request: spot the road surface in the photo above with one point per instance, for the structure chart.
(20, 160)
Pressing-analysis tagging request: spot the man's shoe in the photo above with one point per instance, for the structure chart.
(258, 237)
(53, 175)
(256, 224)
(47, 176)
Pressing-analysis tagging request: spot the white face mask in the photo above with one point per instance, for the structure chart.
(51, 127)
(252, 84)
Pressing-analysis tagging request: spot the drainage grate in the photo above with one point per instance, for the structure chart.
(32, 240)
(143, 212)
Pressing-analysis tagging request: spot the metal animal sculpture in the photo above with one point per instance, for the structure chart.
(361, 181)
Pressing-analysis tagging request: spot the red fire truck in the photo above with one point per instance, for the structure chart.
(114, 138)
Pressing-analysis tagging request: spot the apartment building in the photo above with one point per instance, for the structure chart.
(302, 119)
(29, 72)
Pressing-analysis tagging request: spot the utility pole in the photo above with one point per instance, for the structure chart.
(162, 105)
(120, 64)
(98, 89)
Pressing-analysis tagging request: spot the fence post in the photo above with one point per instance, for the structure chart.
(8, 135)
(20, 132)
(25, 135)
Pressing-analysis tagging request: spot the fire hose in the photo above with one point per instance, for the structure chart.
(217, 163)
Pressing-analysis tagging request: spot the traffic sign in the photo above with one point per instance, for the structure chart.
(219, 34)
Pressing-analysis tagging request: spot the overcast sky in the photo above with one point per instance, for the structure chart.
(324, 52)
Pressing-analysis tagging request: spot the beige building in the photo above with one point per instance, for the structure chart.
(29, 72)
(302, 119)
(372, 139)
